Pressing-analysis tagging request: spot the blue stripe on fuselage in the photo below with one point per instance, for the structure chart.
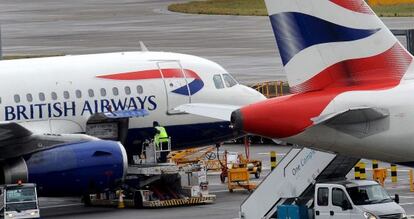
(194, 87)
(296, 31)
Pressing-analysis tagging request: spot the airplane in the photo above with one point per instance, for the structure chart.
(46, 105)
(350, 78)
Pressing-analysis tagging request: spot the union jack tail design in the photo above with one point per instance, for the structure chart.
(335, 44)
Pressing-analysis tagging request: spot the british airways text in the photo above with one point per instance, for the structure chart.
(72, 108)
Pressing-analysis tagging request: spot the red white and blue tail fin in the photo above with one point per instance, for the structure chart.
(335, 43)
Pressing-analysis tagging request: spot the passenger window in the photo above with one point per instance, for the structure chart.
(338, 196)
(103, 92)
(78, 94)
(54, 96)
(91, 93)
(140, 90)
(115, 91)
(127, 90)
(323, 194)
(218, 82)
(17, 98)
(66, 94)
(29, 97)
(229, 80)
(42, 96)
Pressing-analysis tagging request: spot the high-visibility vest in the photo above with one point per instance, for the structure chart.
(162, 136)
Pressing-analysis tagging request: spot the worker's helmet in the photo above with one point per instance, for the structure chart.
(155, 124)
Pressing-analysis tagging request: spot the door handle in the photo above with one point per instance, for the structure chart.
(331, 213)
(317, 212)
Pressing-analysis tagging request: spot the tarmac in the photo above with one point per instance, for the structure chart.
(227, 204)
(244, 45)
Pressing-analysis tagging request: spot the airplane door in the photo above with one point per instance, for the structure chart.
(176, 85)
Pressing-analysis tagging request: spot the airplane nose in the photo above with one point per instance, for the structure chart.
(251, 95)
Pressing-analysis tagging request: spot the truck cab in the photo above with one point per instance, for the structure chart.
(354, 199)
(19, 201)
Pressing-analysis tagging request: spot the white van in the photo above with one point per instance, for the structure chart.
(355, 199)
(19, 201)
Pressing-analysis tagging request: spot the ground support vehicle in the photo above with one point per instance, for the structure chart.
(19, 201)
(239, 167)
(158, 186)
(152, 184)
(346, 199)
(238, 178)
(304, 175)
(149, 182)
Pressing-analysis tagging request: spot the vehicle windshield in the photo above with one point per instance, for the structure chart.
(20, 198)
(367, 195)
(20, 194)
(229, 80)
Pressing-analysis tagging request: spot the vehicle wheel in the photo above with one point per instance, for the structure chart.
(222, 178)
(87, 200)
(257, 174)
(138, 200)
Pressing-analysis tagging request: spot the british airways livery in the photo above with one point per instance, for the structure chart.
(351, 82)
(47, 104)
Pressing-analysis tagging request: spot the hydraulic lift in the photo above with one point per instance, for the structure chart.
(148, 183)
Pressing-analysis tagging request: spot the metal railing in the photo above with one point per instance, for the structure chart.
(272, 88)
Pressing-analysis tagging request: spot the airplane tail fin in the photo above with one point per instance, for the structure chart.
(336, 43)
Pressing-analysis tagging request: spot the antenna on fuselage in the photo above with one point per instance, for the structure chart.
(143, 47)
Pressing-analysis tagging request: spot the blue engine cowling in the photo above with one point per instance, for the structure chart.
(77, 169)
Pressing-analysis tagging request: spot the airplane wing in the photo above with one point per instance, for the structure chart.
(215, 111)
(358, 122)
(352, 116)
(20, 139)
(16, 140)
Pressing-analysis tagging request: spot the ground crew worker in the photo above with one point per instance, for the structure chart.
(161, 140)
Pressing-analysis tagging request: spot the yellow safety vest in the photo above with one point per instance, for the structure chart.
(162, 136)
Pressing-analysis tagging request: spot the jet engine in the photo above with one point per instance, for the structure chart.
(70, 169)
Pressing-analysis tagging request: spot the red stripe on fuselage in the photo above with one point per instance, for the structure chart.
(290, 115)
(151, 74)
(354, 5)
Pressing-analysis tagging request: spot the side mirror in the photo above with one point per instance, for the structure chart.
(397, 199)
(346, 205)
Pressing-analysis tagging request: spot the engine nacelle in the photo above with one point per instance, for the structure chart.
(73, 169)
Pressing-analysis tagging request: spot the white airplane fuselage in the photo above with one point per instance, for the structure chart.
(389, 139)
(59, 94)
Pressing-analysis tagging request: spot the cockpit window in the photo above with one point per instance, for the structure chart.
(229, 80)
(218, 82)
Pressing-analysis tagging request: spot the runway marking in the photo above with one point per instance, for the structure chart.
(61, 206)
(408, 203)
